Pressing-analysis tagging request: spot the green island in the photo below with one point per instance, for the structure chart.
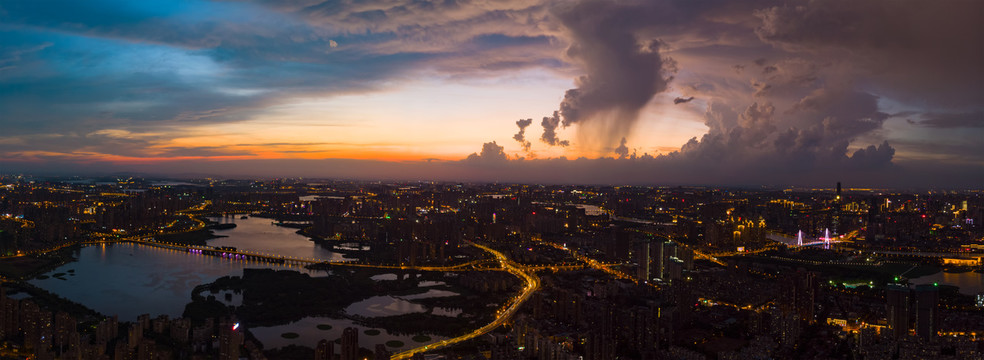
(421, 338)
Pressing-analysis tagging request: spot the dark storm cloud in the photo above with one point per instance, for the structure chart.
(926, 50)
(623, 72)
(521, 135)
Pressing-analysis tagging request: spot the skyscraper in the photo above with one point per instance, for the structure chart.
(666, 250)
(325, 350)
(642, 258)
(897, 297)
(350, 344)
(230, 339)
(927, 311)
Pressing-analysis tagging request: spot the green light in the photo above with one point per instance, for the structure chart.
(936, 284)
(896, 278)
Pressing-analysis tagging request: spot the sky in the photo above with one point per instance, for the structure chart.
(876, 93)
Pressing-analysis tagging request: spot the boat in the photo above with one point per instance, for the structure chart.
(244, 217)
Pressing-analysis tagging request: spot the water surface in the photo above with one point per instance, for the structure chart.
(970, 283)
(260, 235)
(129, 280)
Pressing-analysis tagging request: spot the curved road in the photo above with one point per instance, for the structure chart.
(532, 284)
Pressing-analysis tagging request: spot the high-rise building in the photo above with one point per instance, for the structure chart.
(897, 309)
(798, 294)
(642, 258)
(325, 350)
(350, 344)
(230, 340)
(927, 311)
(666, 250)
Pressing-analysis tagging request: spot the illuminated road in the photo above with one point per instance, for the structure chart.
(592, 263)
(532, 284)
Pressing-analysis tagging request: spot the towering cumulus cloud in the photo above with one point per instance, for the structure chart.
(550, 124)
(623, 71)
(521, 135)
(622, 150)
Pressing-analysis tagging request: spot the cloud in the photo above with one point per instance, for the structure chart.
(622, 151)
(921, 48)
(642, 170)
(521, 135)
(549, 136)
(682, 100)
(622, 71)
(822, 76)
(491, 153)
(953, 120)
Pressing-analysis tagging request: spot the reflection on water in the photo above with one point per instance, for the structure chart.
(439, 311)
(381, 277)
(260, 235)
(970, 283)
(129, 280)
(432, 293)
(383, 306)
(309, 333)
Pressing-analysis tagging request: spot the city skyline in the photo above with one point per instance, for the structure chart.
(875, 94)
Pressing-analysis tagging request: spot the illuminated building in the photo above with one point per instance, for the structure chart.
(230, 339)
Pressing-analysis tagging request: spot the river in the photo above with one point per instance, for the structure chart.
(260, 235)
(970, 283)
(129, 280)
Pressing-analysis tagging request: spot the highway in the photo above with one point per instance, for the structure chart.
(592, 263)
(532, 284)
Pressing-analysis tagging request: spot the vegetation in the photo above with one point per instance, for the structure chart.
(48, 300)
(197, 237)
(26, 267)
(272, 297)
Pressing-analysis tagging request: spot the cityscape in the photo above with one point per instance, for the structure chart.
(491, 179)
(327, 268)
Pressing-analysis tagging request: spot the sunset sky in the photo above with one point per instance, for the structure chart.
(722, 92)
